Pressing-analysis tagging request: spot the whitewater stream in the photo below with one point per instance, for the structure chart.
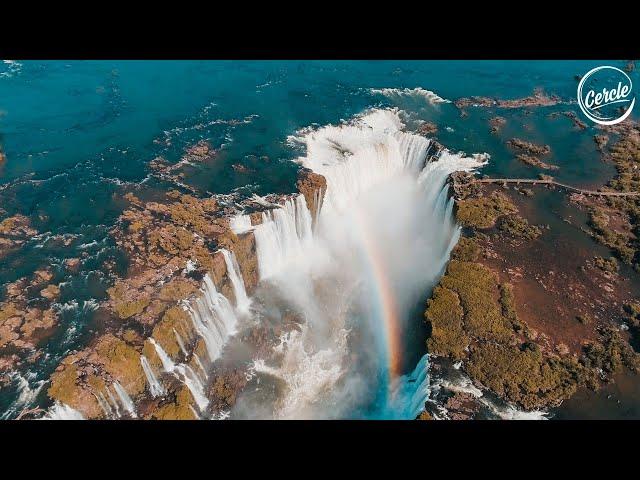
(383, 236)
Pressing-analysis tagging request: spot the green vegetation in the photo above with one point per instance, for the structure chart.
(84, 375)
(609, 356)
(617, 241)
(123, 306)
(632, 317)
(467, 250)
(177, 289)
(523, 374)
(63, 384)
(129, 309)
(171, 239)
(477, 289)
(122, 362)
(508, 305)
(607, 264)
(482, 212)
(445, 315)
(473, 317)
(518, 227)
(624, 236)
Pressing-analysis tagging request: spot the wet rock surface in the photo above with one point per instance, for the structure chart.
(428, 128)
(15, 231)
(496, 123)
(579, 124)
(538, 99)
(171, 244)
(28, 317)
(175, 172)
(462, 406)
(313, 187)
(529, 153)
(528, 147)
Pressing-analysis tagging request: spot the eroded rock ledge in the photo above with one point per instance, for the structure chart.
(28, 317)
(313, 186)
(14, 232)
(171, 245)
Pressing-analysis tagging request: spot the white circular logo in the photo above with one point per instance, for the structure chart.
(605, 95)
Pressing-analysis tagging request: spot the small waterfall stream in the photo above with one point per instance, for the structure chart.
(239, 290)
(213, 318)
(125, 399)
(155, 387)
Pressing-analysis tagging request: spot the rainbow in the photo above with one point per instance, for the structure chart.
(384, 296)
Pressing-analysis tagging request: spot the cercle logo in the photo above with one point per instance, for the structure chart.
(605, 95)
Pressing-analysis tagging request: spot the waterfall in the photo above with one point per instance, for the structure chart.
(193, 383)
(213, 318)
(125, 399)
(167, 364)
(503, 410)
(185, 374)
(200, 365)
(240, 224)
(356, 157)
(180, 343)
(413, 151)
(381, 240)
(113, 403)
(105, 406)
(233, 270)
(155, 388)
(61, 411)
(283, 236)
(27, 392)
(408, 394)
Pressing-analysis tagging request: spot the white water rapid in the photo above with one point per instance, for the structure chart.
(354, 280)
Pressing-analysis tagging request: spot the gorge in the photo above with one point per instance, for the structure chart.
(342, 270)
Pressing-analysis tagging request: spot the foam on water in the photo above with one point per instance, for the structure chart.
(306, 370)
(61, 411)
(463, 384)
(28, 389)
(428, 96)
(384, 207)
